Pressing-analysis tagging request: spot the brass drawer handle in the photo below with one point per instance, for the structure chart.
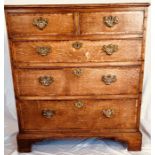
(110, 49)
(110, 21)
(43, 50)
(79, 104)
(108, 79)
(77, 45)
(48, 113)
(40, 23)
(77, 72)
(46, 80)
(108, 113)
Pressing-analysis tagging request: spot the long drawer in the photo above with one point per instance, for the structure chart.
(77, 81)
(78, 114)
(77, 51)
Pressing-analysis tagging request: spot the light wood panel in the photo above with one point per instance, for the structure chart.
(90, 51)
(88, 83)
(67, 116)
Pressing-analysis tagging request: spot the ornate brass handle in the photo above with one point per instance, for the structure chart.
(43, 50)
(110, 49)
(40, 23)
(77, 45)
(108, 113)
(110, 21)
(48, 113)
(79, 104)
(108, 79)
(77, 72)
(46, 80)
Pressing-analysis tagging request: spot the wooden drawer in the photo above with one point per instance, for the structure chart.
(78, 114)
(77, 81)
(65, 51)
(111, 22)
(40, 24)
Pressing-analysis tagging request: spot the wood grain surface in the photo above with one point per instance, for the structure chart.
(57, 24)
(68, 116)
(88, 83)
(128, 22)
(91, 51)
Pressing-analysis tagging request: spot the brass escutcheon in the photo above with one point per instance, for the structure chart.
(77, 45)
(108, 79)
(77, 72)
(110, 21)
(40, 23)
(48, 113)
(108, 113)
(43, 50)
(79, 104)
(46, 80)
(110, 49)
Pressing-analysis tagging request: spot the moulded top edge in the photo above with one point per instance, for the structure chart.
(81, 6)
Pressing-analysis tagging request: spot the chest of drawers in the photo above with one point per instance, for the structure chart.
(77, 71)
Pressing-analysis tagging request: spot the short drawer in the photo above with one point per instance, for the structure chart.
(78, 114)
(77, 51)
(112, 22)
(40, 24)
(77, 81)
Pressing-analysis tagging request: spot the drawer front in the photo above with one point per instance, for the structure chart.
(78, 81)
(111, 22)
(77, 51)
(78, 114)
(40, 24)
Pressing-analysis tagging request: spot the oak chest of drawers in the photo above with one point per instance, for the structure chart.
(77, 71)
